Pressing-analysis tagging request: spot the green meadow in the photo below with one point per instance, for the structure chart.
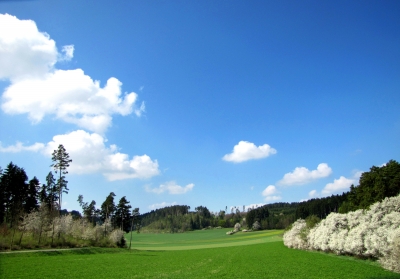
(199, 254)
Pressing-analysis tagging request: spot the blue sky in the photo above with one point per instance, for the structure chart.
(213, 103)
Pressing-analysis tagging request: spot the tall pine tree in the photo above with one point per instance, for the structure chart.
(61, 162)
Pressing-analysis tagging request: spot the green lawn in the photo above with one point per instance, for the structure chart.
(201, 239)
(268, 258)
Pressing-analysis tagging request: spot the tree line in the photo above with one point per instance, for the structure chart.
(31, 214)
(374, 185)
(119, 215)
(18, 196)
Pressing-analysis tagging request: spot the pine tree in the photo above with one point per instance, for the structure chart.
(123, 214)
(61, 161)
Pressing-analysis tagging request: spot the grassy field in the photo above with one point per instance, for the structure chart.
(201, 254)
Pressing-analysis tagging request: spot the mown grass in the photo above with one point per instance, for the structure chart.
(201, 239)
(263, 260)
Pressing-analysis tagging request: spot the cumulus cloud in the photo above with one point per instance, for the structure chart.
(161, 205)
(245, 151)
(270, 190)
(302, 175)
(340, 185)
(269, 193)
(171, 187)
(38, 88)
(25, 52)
(90, 155)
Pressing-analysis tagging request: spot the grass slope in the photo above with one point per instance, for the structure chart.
(268, 259)
(201, 239)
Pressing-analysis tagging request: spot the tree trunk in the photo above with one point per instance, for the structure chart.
(12, 239)
(20, 239)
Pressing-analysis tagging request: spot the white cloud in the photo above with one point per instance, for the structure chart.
(270, 190)
(171, 187)
(25, 52)
(302, 175)
(341, 185)
(68, 52)
(245, 151)
(273, 198)
(269, 193)
(28, 58)
(19, 146)
(71, 96)
(253, 206)
(140, 110)
(312, 193)
(161, 205)
(90, 154)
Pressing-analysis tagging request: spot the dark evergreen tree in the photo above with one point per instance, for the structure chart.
(31, 200)
(108, 208)
(123, 214)
(88, 209)
(14, 188)
(52, 192)
(374, 186)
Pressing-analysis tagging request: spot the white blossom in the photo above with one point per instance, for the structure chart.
(368, 233)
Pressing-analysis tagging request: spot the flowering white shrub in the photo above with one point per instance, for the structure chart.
(37, 221)
(256, 226)
(107, 227)
(292, 238)
(368, 233)
(93, 233)
(63, 224)
(391, 260)
(78, 227)
(116, 236)
(236, 228)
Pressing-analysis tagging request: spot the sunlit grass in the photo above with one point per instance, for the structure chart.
(269, 259)
(201, 239)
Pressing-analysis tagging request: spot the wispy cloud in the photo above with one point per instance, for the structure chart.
(171, 187)
(19, 147)
(161, 205)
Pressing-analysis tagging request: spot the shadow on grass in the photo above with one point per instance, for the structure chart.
(385, 277)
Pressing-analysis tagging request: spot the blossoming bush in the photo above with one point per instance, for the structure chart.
(292, 238)
(117, 237)
(65, 231)
(391, 260)
(372, 233)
